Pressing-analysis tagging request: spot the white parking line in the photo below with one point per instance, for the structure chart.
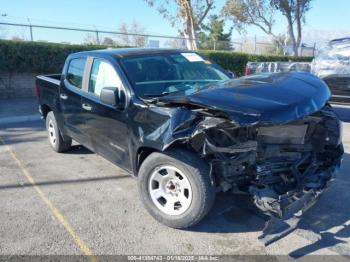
(59, 216)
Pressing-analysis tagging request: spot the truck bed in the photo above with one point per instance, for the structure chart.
(55, 78)
(47, 88)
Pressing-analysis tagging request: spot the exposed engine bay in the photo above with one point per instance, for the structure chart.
(284, 168)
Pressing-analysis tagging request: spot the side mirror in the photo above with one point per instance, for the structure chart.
(112, 96)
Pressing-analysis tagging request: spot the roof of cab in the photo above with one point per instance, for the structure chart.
(125, 52)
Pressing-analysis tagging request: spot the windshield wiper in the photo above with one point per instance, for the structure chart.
(157, 98)
(157, 95)
(162, 94)
(153, 98)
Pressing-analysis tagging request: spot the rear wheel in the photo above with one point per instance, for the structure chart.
(54, 135)
(176, 188)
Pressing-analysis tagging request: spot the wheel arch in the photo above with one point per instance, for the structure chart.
(142, 153)
(145, 151)
(45, 109)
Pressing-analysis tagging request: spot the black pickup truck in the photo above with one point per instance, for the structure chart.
(186, 130)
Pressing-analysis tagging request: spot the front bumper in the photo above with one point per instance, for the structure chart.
(277, 227)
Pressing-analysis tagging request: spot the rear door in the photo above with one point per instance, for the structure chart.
(105, 125)
(70, 99)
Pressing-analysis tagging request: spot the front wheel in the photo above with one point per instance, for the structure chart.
(176, 188)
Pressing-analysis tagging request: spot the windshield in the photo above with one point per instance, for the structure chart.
(159, 75)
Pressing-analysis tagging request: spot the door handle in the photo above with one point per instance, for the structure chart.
(86, 107)
(63, 96)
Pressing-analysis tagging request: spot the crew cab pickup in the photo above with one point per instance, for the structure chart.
(186, 130)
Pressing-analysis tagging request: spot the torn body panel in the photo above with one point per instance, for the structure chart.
(271, 99)
(284, 168)
(284, 162)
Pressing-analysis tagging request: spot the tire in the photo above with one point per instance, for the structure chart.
(194, 204)
(55, 138)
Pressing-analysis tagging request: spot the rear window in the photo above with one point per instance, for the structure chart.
(76, 71)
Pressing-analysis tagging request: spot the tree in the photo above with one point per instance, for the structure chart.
(216, 38)
(177, 43)
(124, 36)
(279, 43)
(17, 38)
(138, 39)
(108, 42)
(294, 11)
(133, 35)
(91, 39)
(245, 13)
(260, 13)
(190, 13)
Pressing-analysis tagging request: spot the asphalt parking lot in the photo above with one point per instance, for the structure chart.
(79, 203)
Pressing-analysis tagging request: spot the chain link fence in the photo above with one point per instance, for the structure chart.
(75, 35)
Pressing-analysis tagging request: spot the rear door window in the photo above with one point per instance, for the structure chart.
(76, 71)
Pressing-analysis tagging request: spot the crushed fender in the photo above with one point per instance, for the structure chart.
(283, 167)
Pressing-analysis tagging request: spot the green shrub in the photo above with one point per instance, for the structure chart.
(36, 57)
(39, 57)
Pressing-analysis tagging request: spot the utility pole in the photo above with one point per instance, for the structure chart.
(255, 44)
(97, 37)
(31, 30)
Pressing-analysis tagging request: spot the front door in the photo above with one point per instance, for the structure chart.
(105, 125)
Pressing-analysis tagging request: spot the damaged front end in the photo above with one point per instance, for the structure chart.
(284, 168)
(273, 137)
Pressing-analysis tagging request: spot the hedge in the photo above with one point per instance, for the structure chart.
(39, 57)
(36, 57)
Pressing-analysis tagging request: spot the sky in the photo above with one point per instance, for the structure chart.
(327, 19)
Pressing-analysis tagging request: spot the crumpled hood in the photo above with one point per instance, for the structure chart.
(266, 98)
